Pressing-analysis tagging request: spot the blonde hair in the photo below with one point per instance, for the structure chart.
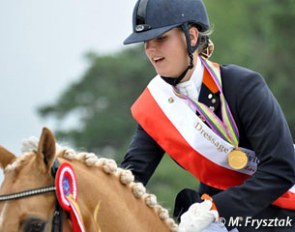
(203, 40)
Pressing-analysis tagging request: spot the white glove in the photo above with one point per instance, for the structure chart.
(198, 217)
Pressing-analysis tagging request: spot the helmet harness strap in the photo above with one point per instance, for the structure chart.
(190, 50)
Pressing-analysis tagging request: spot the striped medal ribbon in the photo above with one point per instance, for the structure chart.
(225, 128)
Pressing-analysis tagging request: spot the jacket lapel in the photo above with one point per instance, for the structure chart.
(209, 94)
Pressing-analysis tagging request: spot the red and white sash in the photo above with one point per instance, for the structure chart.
(189, 141)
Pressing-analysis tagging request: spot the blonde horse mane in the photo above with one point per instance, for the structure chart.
(110, 167)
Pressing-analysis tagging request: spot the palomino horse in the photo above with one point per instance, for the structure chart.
(106, 197)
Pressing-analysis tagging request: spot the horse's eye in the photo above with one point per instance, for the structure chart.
(34, 225)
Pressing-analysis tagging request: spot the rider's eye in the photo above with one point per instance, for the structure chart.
(161, 38)
(34, 225)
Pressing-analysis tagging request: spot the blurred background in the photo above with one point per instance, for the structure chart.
(63, 65)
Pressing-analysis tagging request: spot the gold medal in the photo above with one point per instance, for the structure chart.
(237, 159)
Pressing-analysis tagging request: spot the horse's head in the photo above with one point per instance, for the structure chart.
(31, 170)
(107, 197)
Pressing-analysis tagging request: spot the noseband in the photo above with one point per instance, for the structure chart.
(57, 216)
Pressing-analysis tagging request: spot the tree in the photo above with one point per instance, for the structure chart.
(101, 99)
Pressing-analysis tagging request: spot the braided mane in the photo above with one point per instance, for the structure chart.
(110, 167)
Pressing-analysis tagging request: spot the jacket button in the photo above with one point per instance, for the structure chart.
(170, 100)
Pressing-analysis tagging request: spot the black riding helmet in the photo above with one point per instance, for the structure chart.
(152, 18)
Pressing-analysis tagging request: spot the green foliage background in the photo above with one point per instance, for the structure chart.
(255, 34)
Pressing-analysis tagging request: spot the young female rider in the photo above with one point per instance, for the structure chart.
(219, 122)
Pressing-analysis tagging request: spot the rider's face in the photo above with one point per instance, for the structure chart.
(168, 53)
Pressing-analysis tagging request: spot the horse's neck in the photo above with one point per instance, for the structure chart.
(108, 204)
(120, 210)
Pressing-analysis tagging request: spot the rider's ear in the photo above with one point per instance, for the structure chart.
(194, 34)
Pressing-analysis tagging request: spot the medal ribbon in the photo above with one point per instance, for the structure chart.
(225, 128)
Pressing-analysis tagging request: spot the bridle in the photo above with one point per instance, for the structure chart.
(27, 193)
(57, 215)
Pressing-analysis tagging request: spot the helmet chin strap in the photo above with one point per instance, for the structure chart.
(190, 49)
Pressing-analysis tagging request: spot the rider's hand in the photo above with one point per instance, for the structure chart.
(198, 217)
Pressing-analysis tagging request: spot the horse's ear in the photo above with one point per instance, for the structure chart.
(47, 146)
(6, 157)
